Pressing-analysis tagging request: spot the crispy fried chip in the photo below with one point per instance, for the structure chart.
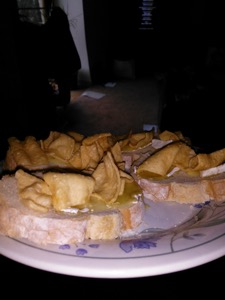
(167, 135)
(78, 137)
(34, 192)
(69, 189)
(117, 156)
(27, 153)
(17, 152)
(107, 180)
(91, 151)
(136, 141)
(105, 140)
(182, 157)
(87, 158)
(160, 162)
(77, 162)
(203, 161)
(59, 145)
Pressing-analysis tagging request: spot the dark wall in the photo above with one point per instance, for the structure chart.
(98, 39)
(25, 104)
(181, 33)
(10, 83)
(196, 73)
(110, 34)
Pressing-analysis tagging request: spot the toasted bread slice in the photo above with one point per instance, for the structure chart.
(184, 188)
(20, 221)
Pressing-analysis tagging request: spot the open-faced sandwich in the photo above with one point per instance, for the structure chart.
(68, 207)
(69, 188)
(177, 173)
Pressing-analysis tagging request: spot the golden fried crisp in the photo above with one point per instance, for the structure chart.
(78, 137)
(59, 146)
(167, 135)
(107, 180)
(34, 192)
(117, 156)
(69, 189)
(91, 151)
(181, 156)
(136, 140)
(26, 153)
(203, 161)
(160, 162)
(106, 140)
(87, 157)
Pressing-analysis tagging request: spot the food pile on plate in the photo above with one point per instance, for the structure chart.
(69, 187)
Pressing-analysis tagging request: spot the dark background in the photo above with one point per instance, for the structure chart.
(185, 45)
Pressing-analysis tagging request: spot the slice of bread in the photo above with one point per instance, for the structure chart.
(175, 172)
(20, 221)
(184, 188)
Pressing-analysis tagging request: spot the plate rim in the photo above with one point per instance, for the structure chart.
(112, 268)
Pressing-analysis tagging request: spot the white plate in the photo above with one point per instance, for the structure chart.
(175, 237)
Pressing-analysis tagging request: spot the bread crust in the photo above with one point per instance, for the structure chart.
(18, 221)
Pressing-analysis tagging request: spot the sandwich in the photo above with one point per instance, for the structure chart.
(177, 173)
(55, 207)
(68, 188)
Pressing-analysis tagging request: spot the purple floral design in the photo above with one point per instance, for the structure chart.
(64, 247)
(81, 251)
(129, 245)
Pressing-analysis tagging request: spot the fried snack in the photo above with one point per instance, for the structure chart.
(60, 150)
(69, 189)
(105, 140)
(160, 162)
(59, 146)
(87, 158)
(135, 141)
(91, 152)
(167, 135)
(204, 161)
(108, 184)
(117, 156)
(78, 137)
(25, 153)
(183, 157)
(34, 192)
(61, 191)
(55, 190)
(179, 156)
(74, 151)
